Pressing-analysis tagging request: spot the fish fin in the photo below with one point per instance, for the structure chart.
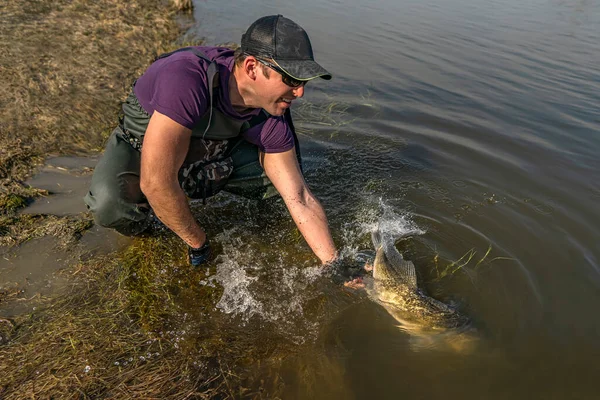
(411, 274)
(406, 268)
(376, 238)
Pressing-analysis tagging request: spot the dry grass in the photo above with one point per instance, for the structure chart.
(183, 5)
(65, 67)
(17, 229)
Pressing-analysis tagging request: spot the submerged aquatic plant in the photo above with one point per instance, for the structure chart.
(459, 264)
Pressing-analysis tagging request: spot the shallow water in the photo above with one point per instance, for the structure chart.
(33, 269)
(479, 121)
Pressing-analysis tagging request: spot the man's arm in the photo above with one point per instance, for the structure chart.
(165, 146)
(308, 214)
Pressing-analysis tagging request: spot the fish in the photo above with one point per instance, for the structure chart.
(394, 286)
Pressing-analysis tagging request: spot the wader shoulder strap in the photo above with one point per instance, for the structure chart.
(210, 74)
(257, 119)
(190, 49)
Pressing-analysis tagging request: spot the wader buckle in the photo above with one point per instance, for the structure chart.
(128, 137)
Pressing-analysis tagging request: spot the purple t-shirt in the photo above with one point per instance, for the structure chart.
(176, 86)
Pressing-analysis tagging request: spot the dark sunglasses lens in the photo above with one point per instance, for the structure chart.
(285, 78)
(288, 80)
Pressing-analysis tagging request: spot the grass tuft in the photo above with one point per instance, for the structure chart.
(17, 229)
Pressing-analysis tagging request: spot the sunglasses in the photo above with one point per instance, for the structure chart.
(285, 78)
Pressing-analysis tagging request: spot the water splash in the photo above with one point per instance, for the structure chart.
(279, 283)
(266, 283)
(395, 224)
(237, 297)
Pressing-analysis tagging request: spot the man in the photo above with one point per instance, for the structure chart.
(205, 119)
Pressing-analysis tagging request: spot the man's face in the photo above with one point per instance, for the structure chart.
(276, 96)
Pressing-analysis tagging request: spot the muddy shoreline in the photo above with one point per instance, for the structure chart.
(67, 67)
(66, 70)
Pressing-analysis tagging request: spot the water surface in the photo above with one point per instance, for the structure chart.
(478, 121)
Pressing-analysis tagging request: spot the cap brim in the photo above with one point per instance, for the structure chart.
(303, 70)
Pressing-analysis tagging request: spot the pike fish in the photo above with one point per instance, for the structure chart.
(394, 287)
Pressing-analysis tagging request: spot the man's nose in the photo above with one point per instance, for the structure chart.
(299, 91)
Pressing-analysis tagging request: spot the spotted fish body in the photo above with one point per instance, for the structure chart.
(395, 288)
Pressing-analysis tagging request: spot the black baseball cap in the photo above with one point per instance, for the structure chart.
(286, 43)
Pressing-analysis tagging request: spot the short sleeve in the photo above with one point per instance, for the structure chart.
(180, 92)
(274, 136)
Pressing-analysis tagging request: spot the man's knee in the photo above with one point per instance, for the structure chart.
(111, 211)
(103, 204)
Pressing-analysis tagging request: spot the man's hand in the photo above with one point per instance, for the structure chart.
(356, 283)
(308, 214)
(200, 255)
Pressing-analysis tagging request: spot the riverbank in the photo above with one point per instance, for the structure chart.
(65, 67)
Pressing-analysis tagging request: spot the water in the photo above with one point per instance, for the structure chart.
(33, 270)
(479, 121)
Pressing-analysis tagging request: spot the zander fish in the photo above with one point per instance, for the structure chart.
(394, 286)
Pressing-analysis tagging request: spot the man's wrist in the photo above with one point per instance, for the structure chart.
(201, 240)
(333, 264)
(332, 260)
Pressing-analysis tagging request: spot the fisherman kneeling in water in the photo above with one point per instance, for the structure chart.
(205, 119)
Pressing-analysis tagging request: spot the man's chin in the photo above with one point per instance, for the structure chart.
(276, 111)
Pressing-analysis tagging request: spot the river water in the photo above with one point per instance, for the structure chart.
(478, 121)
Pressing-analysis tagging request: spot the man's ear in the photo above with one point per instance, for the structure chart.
(251, 67)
